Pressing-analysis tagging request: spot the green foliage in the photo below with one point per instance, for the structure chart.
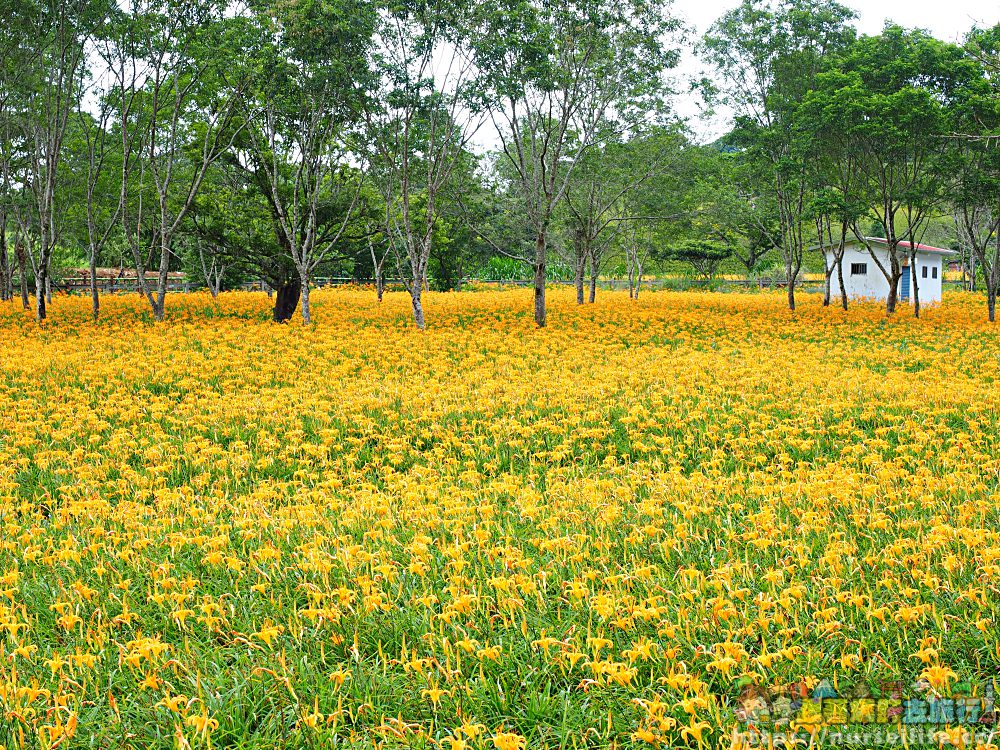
(703, 255)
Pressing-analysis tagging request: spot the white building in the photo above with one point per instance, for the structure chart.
(864, 279)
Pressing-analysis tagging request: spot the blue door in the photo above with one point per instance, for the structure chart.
(904, 284)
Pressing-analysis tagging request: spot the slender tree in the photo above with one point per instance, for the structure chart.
(311, 74)
(768, 55)
(420, 126)
(888, 98)
(58, 45)
(974, 163)
(575, 73)
(177, 75)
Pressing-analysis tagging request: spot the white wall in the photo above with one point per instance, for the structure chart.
(929, 289)
(874, 286)
(870, 286)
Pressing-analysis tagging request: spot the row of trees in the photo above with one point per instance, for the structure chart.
(838, 133)
(282, 141)
(278, 136)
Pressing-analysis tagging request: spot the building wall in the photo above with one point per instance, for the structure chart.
(873, 284)
(929, 289)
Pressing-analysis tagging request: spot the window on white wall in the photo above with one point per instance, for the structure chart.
(859, 269)
(924, 273)
(935, 272)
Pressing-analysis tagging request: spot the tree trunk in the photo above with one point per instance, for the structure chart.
(827, 291)
(160, 306)
(580, 276)
(593, 284)
(379, 286)
(6, 291)
(540, 280)
(95, 299)
(893, 297)
(840, 280)
(286, 299)
(306, 309)
(790, 283)
(22, 265)
(418, 308)
(991, 302)
(40, 312)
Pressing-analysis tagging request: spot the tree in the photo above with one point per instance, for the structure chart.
(312, 70)
(234, 227)
(420, 126)
(887, 99)
(97, 147)
(768, 56)
(599, 197)
(638, 245)
(58, 41)
(564, 76)
(17, 62)
(714, 193)
(176, 78)
(703, 255)
(974, 161)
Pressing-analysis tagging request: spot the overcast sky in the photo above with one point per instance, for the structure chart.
(946, 19)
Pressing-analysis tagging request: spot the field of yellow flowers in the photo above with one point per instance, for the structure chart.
(221, 532)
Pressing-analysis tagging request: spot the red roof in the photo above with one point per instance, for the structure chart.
(905, 244)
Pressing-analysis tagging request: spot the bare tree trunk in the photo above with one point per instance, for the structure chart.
(6, 292)
(286, 299)
(22, 263)
(95, 299)
(418, 308)
(840, 279)
(827, 283)
(893, 296)
(40, 312)
(540, 280)
(991, 273)
(377, 266)
(306, 309)
(160, 306)
(593, 280)
(580, 275)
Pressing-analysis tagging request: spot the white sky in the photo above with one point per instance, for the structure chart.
(946, 19)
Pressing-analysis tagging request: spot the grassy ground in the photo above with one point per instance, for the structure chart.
(221, 532)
